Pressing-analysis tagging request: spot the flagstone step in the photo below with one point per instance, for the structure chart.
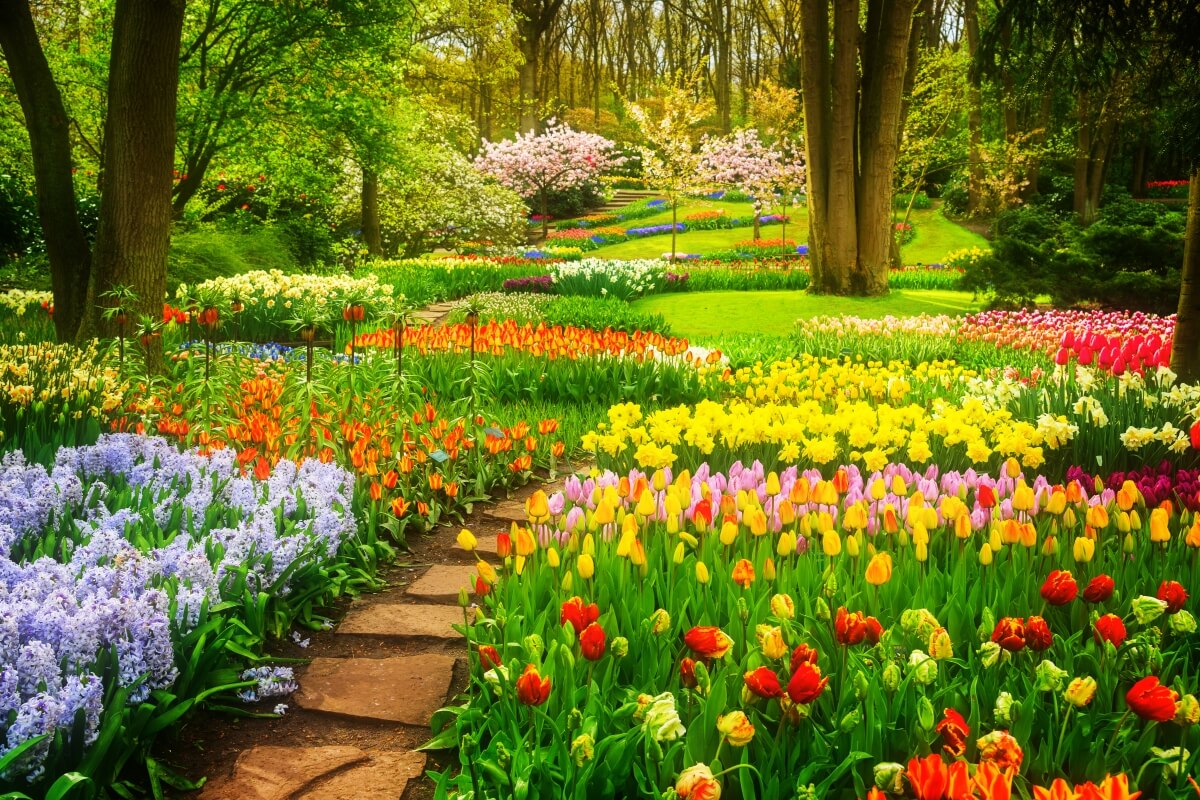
(316, 773)
(485, 548)
(508, 511)
(403, 689)
(279, 773)
(384, 775)
(442, 582)
(397, 620)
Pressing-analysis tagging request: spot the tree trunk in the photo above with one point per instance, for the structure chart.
(527, 81)
(1185, 353)
(853, 139)
(371, 233)
(974, 114)
(545, 215)
(50, 142)
(135, 207)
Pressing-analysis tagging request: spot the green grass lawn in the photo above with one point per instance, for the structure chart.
(701, 314)
(936, 236)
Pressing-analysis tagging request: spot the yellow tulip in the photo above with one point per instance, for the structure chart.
(486, 571)
(931, 517)
(855, 518)
(786, 545)
(691, 541)
(852, 546)
(1083, 549)
(1159, 532)
(782, 606)
(586, 566)
(773, 487)
(702, 576)
(1193, 535)
(962, 526)
(1022, 499)
(1028, 534)
(1012, 468)
(637, 553)
(787, 512)
(567, 582)
(985, 554)
(605, 513)
(525, 543)
(769, 569)
(552, 558)
(648, 505)
(680, 553)
(625, 544)
(922, 552)
(729, 532)
(537, 507)
(466, 540)
(899, 488)
(758, 521)
(672, 523)
(770, 640)
(940, 646)
(877, 490)
(1135, 520)
(879, 569)
(831, 543)
(659, 480)
(589, 545)
(920, 534)
(1050, 546)
(519, 567)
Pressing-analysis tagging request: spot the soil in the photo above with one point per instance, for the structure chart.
(207, 744)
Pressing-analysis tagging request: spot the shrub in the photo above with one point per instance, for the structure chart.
(954, 196)
(1130, 258)
(206, 252)
(921, 200)
(600, 313)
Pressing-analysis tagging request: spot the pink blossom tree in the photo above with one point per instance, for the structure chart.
(559, 158)
(743, 162)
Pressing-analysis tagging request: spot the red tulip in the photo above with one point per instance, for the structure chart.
(874, 630)
(1150, 700)
(533, 689)
(850, 628)
(591, 642)
(928, 777)
(1099, 589)
(803, 654)
(954, 731)
(1010, 634)
(488, 656)
(1173, 594)
(807, 684)
(985, 496)
(1060, 588)
(1109, 628)
(687, 672)
(579, 615)
(763, 682)
(1195, 434)
(707, 642)
(1038, 635)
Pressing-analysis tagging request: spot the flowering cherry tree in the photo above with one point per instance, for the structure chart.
(559, 158)
(745, 162)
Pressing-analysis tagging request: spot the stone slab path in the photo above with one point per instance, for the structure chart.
(402, 674)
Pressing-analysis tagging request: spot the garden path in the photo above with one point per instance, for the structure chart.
(399, 660)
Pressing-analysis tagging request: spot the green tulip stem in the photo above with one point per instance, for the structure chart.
(717, 755)
(1062, 735)
(1113, 741)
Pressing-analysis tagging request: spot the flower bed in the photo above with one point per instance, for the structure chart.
(741, 633)
(135, 575)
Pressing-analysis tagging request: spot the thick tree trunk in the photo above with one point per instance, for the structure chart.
(1094, 145)
(974, 114)
(135, 208)
(1185, 354)
(371, 233)
(852, 139)
(50, 141)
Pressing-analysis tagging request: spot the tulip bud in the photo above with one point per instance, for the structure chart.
(860, 685)
(586, 566)
(921, 552)
(1080, 691)
(782, 606)
(660, 622)
(464, 599)
(1004, 709)
(702, 576)
(769, 569)
(466, 540)
(989, 653)
(703, 679)
(822, 610)
(1050, 546)
(568, 633)
(852, 547)
(1182, 622)
(925, 714)
(889, 777)
(831, 544)
(619, 647)
(582, 749)
(987, 624)
(679, 553)
(1049, 676)
(1187, 710)
(1083, 549)
(852, 720)
(1147, 609)
(534, 647)
(922, 667)
(743, 609)
(891, 677)
(552, 558)
(1127, 544)
(503, 757)
(985, 554)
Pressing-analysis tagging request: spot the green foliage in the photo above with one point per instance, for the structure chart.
(723, 279)
(919, 201)
(207, 251)
(1130, 258)
(30, 272)
(600, 313)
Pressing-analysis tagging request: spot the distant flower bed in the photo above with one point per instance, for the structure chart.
(1176, 188)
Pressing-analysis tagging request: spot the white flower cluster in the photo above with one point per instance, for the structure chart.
(270, 288)
(19, 301)
(608, 278)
